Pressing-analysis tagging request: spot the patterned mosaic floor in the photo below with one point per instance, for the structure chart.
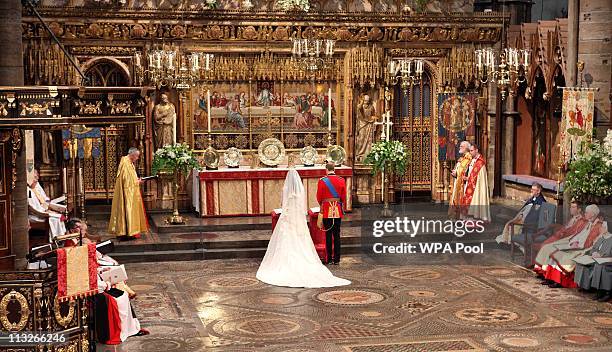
(218, 305)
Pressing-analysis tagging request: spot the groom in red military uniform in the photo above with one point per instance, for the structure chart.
(331, 195)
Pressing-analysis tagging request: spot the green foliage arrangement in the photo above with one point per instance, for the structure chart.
(590, 175)
(389, 155)
(174, 158)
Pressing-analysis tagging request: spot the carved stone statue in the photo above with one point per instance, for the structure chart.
(164, 114)
(364, 137)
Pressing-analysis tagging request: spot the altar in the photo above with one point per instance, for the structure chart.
(245, 191)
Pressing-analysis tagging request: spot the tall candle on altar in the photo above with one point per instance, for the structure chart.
(174, 129)
(65, 180)
(329, 109)
(208, 112)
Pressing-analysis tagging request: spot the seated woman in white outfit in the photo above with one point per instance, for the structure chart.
(291, 259)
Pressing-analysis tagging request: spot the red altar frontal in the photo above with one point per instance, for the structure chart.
(245, 191)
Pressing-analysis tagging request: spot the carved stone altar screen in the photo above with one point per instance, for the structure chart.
(252, 49)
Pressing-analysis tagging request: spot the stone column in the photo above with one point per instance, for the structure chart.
(510, 115)
(573, 15)
(573, 19)
(11, 74)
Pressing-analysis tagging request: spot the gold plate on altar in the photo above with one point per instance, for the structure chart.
(308, 155)
(232, 157)
(211, 158)
(271, 151)
(336, 154)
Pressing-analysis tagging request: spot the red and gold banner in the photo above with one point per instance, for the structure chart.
(77, 272)
(577, 120)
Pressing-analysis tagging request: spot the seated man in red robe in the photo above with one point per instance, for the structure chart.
(555, 260)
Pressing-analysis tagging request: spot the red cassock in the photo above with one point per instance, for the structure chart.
(332, 207)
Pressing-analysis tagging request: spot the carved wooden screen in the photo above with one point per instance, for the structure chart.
(5, 200)
(413, 126)
(99, 173)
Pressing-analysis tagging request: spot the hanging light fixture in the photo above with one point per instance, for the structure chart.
(506, 68)
(312, 55)
(405, 71)
(172, 67)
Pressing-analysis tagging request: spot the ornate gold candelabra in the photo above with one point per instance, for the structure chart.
(176, 218)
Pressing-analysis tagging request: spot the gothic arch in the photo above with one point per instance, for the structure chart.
(107, 71)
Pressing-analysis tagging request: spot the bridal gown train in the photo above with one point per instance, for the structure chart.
(291, 259)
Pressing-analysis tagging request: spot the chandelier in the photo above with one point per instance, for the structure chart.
(405, 71)
(173, 68)
(312, 55)
(506, 71)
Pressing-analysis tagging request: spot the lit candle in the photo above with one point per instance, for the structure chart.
(150, 60)
(195, 62)
(329, 108)
(174, 130)
(409, 66)
(137, 59)
(65, 180)
(158, 59)
(209, 113)
(526, 59)
(171, 60)
(81, 186)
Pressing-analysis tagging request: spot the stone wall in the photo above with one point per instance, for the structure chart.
(595, 50)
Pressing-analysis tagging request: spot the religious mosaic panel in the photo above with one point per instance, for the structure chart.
(243, 114)
(456, 122)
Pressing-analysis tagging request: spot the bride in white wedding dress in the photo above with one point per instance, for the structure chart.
(291, 259)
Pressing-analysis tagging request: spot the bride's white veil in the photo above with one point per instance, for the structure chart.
(294, 196)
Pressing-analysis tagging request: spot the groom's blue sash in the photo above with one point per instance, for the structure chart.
(333, 191)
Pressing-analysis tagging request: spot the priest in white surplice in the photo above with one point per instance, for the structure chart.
(42, 209)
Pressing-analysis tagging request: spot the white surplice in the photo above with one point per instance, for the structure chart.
(291, 259)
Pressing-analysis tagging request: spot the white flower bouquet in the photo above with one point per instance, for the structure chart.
(389, 155)
(174, 158)
(293, 5)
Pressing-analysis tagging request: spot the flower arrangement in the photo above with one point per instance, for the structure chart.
(590, 175)
(293, 5)
(389, 155)
(206, 5)
(209, 5)
(176, 158)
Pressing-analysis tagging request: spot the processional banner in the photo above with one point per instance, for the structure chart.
(577, 121)
(456, 116)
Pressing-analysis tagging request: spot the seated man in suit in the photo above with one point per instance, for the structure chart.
(556, 260)
(533, 203)
(41, 209)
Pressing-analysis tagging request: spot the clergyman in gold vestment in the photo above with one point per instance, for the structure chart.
(454, 201)
(128, 218)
